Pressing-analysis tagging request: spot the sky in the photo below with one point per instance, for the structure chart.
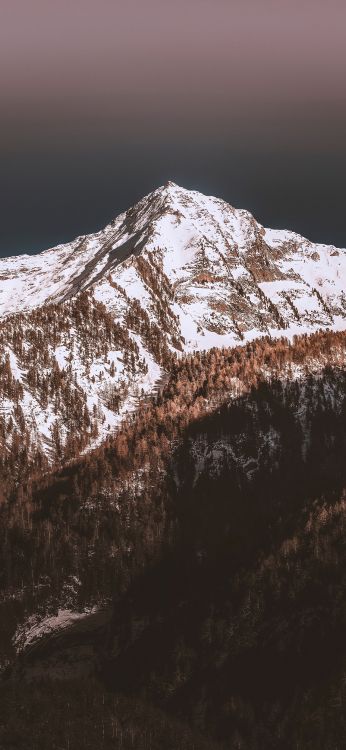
(102, 101)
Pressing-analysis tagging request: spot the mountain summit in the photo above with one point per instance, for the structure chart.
(89, 327)
(226, 276)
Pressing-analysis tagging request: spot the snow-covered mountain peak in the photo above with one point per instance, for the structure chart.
(222, 275)
(178, 271)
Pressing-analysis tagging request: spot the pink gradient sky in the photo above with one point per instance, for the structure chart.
(141, 80)
(170, 61)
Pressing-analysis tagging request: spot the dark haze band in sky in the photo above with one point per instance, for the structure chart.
(103, 101)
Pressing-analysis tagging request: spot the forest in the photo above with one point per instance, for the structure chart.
(211, 525)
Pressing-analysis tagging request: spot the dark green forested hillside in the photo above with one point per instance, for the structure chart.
(246, 623)
(212, 526)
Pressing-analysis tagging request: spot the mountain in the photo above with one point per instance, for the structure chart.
(172, 486)
(220, 273)
(89, 327)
